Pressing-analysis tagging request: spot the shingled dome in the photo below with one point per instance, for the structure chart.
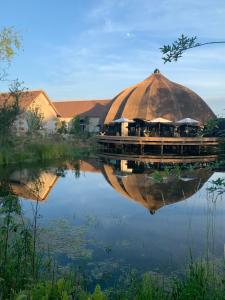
(156, 97)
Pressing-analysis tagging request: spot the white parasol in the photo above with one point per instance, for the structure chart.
(160, 121)
(187, 121)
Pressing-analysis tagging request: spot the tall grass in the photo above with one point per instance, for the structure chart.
(24, 150)
(198, 283)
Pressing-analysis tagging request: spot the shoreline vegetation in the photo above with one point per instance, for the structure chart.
(32, 149)
(28, 151)
(39, 149)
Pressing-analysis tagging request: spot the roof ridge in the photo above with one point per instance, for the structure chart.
(94, 100)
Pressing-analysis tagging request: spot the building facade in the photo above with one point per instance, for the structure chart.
(91, 113)
(32, 101)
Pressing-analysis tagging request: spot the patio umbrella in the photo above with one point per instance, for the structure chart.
(187, 121)
(160, 121)
(123, 120)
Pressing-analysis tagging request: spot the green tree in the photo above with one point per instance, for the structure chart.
(10, 110)
(34, 118)
(75, 127)
(62, 127)
(175, 51)
(10, 42)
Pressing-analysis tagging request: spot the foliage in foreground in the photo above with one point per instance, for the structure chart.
(200, 282)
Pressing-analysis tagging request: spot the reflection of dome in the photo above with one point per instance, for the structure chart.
(157, 96)
(144, 189)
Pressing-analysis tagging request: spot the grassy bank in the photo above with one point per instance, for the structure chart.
(39, 149)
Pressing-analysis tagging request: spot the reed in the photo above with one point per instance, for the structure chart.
(24, 150)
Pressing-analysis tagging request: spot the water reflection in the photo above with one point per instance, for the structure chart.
(152, 185)
(142, 184)
(106, 204)
(32, 186)
(36, 182)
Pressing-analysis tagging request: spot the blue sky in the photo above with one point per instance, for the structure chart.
(91, 49)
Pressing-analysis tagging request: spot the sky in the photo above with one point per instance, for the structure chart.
(93, 49)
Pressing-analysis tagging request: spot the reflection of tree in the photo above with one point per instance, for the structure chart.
(76, 166)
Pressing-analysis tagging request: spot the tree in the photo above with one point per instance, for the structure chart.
(75, 127)
(175, 51)
(34, 118)
(10, 42)
(10, 110)
(215, 127)
(62, 127)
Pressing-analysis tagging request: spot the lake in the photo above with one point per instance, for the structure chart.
(109, 216)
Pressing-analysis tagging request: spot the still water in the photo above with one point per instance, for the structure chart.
(111, 216)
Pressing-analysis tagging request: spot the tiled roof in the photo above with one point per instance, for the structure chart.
(26, 98)
(84, 108)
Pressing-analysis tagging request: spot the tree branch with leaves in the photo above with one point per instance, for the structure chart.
(175, 51)
(10, 43)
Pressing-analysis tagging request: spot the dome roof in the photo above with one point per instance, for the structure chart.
(155, 97)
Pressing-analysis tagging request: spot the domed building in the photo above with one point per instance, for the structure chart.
(157, 116)
(156, 97)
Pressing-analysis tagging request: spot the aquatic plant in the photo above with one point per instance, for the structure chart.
(217, 186)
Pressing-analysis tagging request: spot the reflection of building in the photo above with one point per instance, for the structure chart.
(154, 193)
(135, 180)
(36, 188)
(37, 185)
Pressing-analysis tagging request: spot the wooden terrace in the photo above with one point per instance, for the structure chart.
(158, 141)
(159, 145)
